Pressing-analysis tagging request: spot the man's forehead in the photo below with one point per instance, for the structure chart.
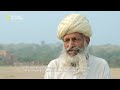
(74, 34)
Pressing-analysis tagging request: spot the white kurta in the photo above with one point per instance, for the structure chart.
(98, 69)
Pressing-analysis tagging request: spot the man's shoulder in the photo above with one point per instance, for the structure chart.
(54, 62)
(97, 59)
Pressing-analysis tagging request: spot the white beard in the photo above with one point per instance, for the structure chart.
(78, 61)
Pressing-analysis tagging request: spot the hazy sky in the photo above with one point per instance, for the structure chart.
(37, 26)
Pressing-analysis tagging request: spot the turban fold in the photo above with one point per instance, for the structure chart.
(74, 23)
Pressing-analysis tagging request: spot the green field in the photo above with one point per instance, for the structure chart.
(35, 72)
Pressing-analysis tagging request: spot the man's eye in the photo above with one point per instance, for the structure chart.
(76, 39)
(67, 40)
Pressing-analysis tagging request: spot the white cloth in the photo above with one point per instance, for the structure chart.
(74, 23)
(98, 69)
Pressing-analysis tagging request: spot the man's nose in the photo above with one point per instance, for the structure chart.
(71, 44)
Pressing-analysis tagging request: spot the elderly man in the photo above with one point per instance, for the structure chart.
(74, 62)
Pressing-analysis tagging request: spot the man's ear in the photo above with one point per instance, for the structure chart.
(87, 40)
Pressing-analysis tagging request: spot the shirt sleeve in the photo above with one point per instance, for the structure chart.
(106, 72)
(49, 72)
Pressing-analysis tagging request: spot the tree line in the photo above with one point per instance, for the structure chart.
(43, 53)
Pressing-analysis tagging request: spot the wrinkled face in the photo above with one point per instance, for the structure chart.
(74, 40)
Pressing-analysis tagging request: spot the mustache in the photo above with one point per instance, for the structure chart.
(74, 48)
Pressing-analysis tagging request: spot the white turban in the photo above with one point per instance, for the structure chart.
(74, 23)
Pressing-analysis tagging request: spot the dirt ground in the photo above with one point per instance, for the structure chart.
(35, 72)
